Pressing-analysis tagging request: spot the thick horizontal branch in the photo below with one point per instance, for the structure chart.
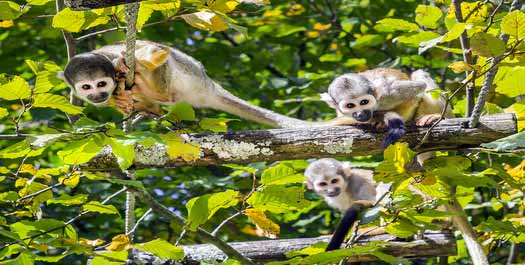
(433, 244)
(286, 144)
(91, 4)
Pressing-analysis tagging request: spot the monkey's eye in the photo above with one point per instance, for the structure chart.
(322, 184)
(364, 102)
(101, 84)
(334, 181)
(350, 105)
(86, 87)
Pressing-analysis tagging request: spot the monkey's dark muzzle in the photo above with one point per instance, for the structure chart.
(362, 116)
(333, 193)
(101, 97)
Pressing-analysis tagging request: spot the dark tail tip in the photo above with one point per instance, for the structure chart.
(396, 130)
(344, 226)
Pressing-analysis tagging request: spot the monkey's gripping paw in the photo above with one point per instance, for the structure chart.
(124, 101)
(380, 125)
(427, 120)
(396, 130)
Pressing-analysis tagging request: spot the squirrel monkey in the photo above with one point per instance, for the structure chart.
(346, 189)
(385, 97)
(163, 76)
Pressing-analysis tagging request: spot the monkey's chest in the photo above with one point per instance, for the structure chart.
(340, 202)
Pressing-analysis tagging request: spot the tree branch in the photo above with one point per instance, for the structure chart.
(180, 221)
(303, 143)
(92, 4)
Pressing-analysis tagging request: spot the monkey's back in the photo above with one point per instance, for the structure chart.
(387, 73)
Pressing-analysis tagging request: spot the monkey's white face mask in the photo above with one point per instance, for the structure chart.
(97, 91)
(360, 108)
(328, 186)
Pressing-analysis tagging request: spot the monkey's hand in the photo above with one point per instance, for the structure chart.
(427, 120)
(123, 101)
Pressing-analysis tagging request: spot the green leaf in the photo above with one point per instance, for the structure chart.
(34, 187)
(394, 24)
(126, 182)
(278, 199)
(514, 24)
(55, 258)
(112, 256)
(9, 196)
(286, 29)
(56, 102)
(396, 157)
(68, 200)
(181, 111)
(45, 81)
(96, 206)
(242, 168)
(331, 57)
(25, 258)
(9, 10)
(454, 163)
(38, 2)
(215, 124)
(15, 89)
(428, 16)
(402, 228)
(162, 249)
(178, 148)
(486, 45)
(3, 113)
(369, 40)
(280, 175)
(509, 143)
(11, 249)
(512, 84)
(81, 151)
(19, 149)
(206, 21)
(201, 209)
(454, 32)
(42, 140)
(75, 21)
(414, 39)
(148, 7)
(124, 153)
(54, 228)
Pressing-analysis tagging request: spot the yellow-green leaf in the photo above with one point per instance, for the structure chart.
(259, 218)
(223, 6)
(9, 10)
(45, 81)
(3, 113)
(81, 151)
(460, 67)
(71, 180)
(201, 209)
(119, 243)
(428, 16)
(178, 148)
(280, 174)
(68, 200)
(454, 32)
(55, 102)
(414, 39)
(214, 124)
(486, 45)
(16, 89)
(394, 24)
(162, 249)
(206, 21)
(19, 149)
(148, 7)
(75, 21)
(519, 109)
(96, 206)
(278, 199)
(110, 257)
(512, 84)
(514, 24)
(181, 111)
(125, 153)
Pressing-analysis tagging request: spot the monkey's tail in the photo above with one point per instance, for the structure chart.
(226, 101)
(350, 217)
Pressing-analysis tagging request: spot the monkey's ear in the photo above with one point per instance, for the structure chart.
(328, 99)
(309, 185)
(347, 169)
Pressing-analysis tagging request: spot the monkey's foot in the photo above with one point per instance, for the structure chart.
(124, 101)
(427, 120)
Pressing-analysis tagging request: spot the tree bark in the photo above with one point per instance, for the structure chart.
(303, 143)
(91, 4)
(433, 244)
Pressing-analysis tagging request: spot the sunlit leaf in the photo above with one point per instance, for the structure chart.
(162, 249)
(16, 89)
(178, 148)
(428, 16)
(75, 21)
(110, 258)
(119, 243)
(67, 200)
(486, 45)
(3, 113)
(393, 24)
(206, 21)
(278, 199)
(45, 81)
(223, 6)
(201, 209)
(281, 174)
(125, 153)
(215, 124)
(71, 180)
(181, 111)
(514, 24)
(460, 67)
(19, 149)
(414, 39)
(98, 207)
(9, 10)
(81, 151)
(512, 84)
(55, 102)
(259, 218)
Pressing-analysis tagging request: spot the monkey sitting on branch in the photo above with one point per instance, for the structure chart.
(163, 76)
(387, 98)
(346, 189)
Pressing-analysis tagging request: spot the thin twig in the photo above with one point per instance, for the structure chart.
(138, 222)
(216, 230)
(201, 233)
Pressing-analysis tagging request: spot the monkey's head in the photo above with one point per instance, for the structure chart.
(327, 176)
(352, 95)
(92, 77)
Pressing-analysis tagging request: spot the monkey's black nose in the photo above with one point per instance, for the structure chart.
(333, 193)
(362, 116)
(98, 98)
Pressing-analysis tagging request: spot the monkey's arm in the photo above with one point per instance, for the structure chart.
(391, 95)
(348, 221)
